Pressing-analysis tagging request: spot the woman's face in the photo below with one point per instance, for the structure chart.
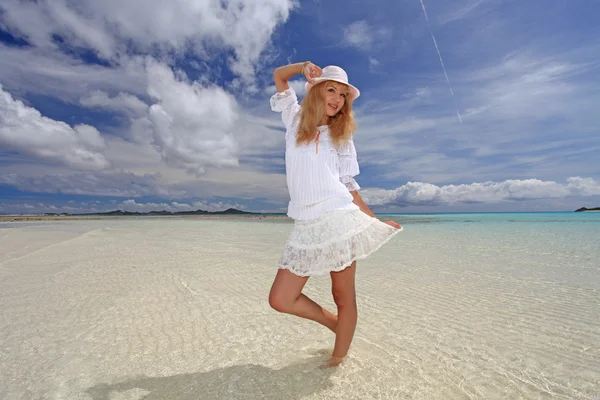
(334, 94)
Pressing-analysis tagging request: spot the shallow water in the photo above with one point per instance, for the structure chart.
(458, 306)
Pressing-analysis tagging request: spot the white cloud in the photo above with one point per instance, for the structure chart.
(122, 102)
(192, 123)
(520, 84)
(25, 130)
(58, 75)
(374, 64)
(426, 194)
(150, 180)
(527, 116)
(423, 92)
(131, 205)
(112, 28)
(364, 36)
(359, 34)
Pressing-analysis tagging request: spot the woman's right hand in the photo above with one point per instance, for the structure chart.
(394, 224)
(312, 71)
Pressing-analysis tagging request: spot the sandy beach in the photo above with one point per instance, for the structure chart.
(177, 309)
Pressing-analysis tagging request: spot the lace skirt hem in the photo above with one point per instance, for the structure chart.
(333, 242)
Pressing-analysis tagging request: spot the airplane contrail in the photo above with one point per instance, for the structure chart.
(441, 61)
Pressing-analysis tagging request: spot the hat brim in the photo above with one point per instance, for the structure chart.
(354, 92)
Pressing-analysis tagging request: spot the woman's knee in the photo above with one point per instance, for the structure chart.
(343, 287)
(279, 302)
(285, 290)
(344, 297)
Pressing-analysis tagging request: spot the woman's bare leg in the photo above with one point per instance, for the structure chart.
(286, 296)
(344, 295)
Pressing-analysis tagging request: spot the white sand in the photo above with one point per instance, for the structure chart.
(177, 309)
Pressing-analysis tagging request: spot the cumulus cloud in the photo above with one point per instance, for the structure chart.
(192, 123)
(23, 129)
(419, 193)
(113, 28)
(178, 117)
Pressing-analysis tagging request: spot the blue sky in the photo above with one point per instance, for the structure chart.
(150, 105)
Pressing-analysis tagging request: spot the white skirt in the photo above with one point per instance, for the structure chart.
(333, 241)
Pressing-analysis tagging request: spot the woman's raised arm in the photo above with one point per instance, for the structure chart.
(282, 74)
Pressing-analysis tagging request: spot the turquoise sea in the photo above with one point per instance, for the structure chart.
(564, 246)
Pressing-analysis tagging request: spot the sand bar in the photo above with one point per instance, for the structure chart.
(177, 309)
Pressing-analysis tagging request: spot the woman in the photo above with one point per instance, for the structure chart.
(333, 227)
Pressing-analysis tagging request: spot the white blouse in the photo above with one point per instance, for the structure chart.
(319, 175)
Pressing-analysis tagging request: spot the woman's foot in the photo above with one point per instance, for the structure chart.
(334, 362)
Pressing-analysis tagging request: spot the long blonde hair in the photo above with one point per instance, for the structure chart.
(341, 126)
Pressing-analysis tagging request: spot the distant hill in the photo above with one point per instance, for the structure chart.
(229, 211)
(587, 209)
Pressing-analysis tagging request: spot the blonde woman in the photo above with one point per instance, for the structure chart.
(333, 227)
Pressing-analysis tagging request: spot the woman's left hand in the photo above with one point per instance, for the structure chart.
(394, 224)
(312, 71)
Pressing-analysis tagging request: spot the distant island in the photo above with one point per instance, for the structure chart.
(229, 213)
(582, 209)
(116, 213)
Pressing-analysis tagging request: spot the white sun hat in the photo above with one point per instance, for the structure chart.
(334, 73)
